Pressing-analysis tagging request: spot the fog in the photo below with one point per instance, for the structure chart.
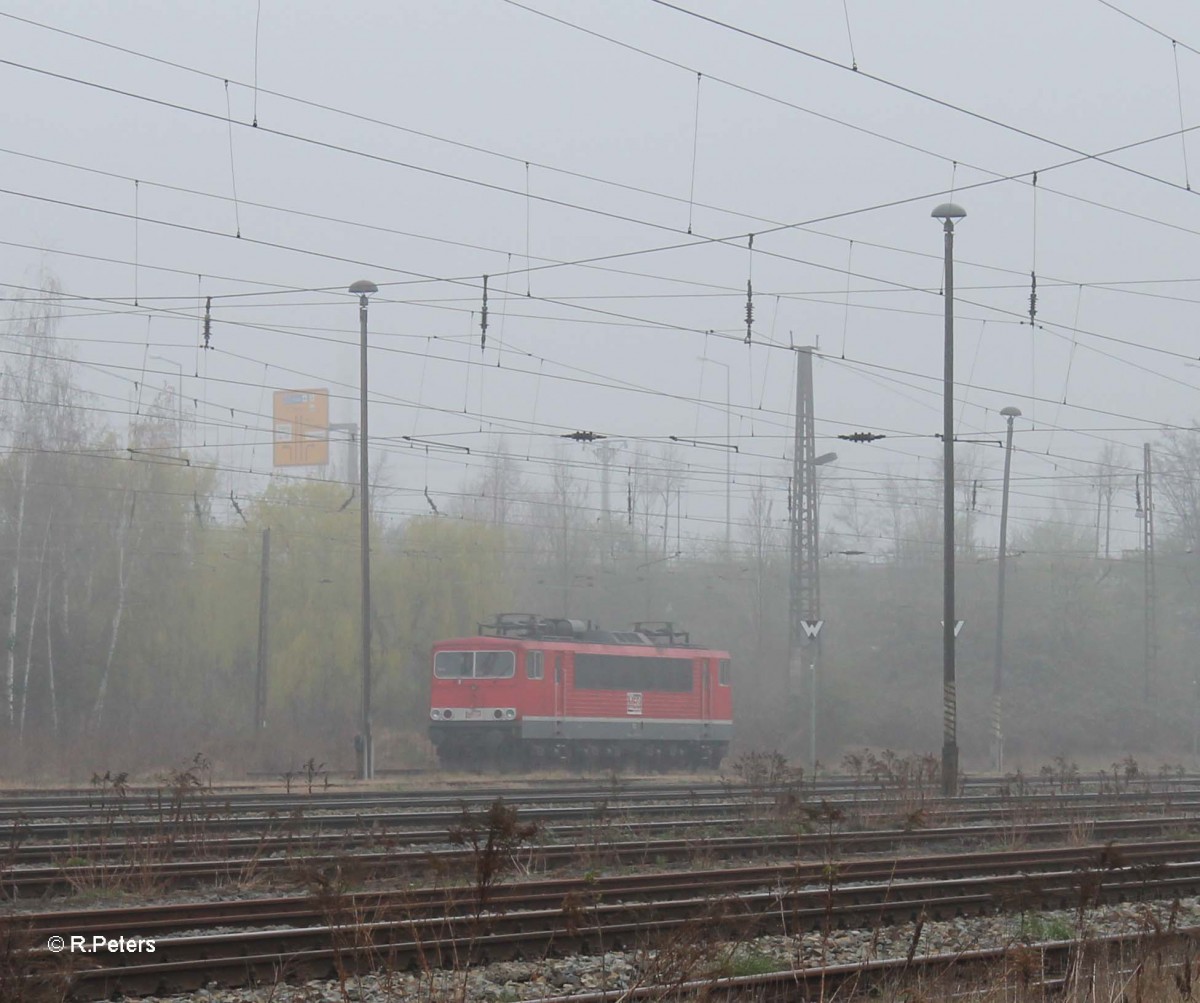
(189, 191)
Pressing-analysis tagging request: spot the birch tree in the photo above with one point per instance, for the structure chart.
(40, 417)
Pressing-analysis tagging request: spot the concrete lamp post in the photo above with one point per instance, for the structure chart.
(365, 749)
(948, 212)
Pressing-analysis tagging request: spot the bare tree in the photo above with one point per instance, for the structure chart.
(766, 542)
(1109, 469)
(1178, 478)
(669, 482)
(495, 494)
(563, 529)
(39, 418)
(125, 558)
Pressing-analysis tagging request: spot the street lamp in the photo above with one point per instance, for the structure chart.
(178, 398)
(366, 750)
(728, 444)
(948, 212)
(998, 675)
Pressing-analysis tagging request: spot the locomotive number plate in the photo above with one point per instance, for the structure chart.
(474, 712)
(633, 703)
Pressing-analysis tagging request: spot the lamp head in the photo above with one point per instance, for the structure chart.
(948, 210)
(1011, 412)
(824, 458)
(364, 287)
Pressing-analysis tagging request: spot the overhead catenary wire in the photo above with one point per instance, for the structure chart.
(1033, 310)
(847, 284)
(237, 217)
(621, 254)
(484, 184)
(136, 227)
(695, 148)
(360, 117)
(1161, 375)
(749, 286)
(850, 35)
(257, 23)
(1070, 363)
(1179, 92)
(913, 92)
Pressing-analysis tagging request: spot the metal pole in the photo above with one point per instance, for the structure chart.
(998, 676)
(366, 758)
(815, 611)
(812, 709)
(948, 213)
(260, 681)
(803, 586)
(728, 451)
(805, 582)
(1149, 640)
(605, 451)
(1195, 719)
(364, 509)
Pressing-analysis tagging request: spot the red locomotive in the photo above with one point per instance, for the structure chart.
(530, 688)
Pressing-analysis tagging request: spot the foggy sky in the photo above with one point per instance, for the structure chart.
(436, 120)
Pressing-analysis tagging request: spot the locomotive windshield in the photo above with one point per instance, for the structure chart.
(474, 665)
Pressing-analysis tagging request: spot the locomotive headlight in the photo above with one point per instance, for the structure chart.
(447, 713)
(497, 714)
(510, 713)
(435, 713)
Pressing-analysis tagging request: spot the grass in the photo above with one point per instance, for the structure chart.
(1037, 927)
(746, 961)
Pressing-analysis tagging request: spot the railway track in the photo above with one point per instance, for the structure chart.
(161, 800)
(340, 840)
(203, 819)
(294, 835)
(303, 938)
(143, 875)
(154, 920)
(1033, 971)
(26, 882)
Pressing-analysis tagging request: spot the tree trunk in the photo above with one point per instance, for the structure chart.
(37, 601)
(14, 595)
(50, 655)
(118, 613)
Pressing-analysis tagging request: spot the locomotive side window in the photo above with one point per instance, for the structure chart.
(495, 664)
(533, 665)
(453, 664)
(630, 673)
(474, 664)
(724, 672)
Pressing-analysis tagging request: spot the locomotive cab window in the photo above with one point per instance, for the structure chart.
(533, 665)
(495, 664)
(474, 664)
(724, 672)
(453, 664)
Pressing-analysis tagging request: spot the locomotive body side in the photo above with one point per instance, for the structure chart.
(509, 700)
